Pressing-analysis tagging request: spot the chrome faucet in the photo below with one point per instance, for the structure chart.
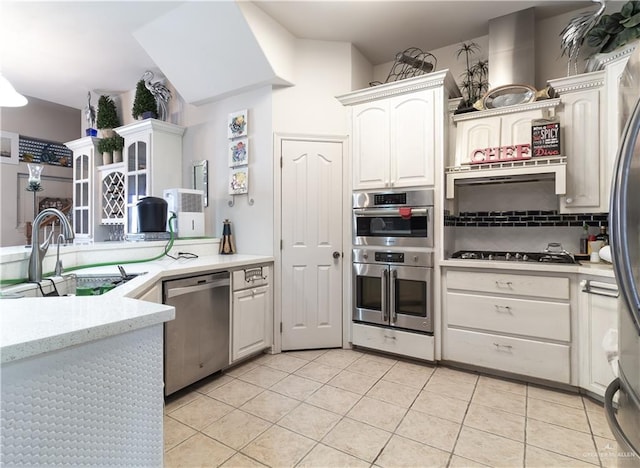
(39, 251)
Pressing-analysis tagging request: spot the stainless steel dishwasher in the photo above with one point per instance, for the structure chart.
(196, 343)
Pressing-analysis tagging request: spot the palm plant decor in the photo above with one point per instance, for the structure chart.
(475, 78)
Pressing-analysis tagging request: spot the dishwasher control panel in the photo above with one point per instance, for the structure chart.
(250, 277)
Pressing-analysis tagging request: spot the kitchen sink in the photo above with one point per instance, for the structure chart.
(71, 284)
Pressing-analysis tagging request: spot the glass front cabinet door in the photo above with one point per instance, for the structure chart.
(152, 163)
(84, 151)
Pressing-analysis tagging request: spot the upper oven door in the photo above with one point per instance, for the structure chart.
(387, 227)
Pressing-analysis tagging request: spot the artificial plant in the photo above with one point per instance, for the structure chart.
(616, 30)
(144, 101)
(107, 113)
(475, 78)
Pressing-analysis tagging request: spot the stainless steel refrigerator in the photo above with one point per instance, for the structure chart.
(624, 217)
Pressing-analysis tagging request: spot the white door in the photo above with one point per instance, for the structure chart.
(311, 244)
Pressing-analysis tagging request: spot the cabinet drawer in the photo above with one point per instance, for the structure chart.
(540, 319)
(552, 287)
(394, 341)
(527, 357)
(250, 277)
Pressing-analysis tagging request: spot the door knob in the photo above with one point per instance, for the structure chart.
(336, 254)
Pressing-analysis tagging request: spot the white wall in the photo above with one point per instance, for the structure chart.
(206, 138)
(446, 59)
(322, 70)
(38, 119)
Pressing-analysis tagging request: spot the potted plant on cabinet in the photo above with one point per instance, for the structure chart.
(104, 147)
(144, 104)
(117, 145)
(111, 149)
(107, 116)
(474, 79)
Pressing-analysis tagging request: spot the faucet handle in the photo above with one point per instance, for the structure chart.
(45, 245)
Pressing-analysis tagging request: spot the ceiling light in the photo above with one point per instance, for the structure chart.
(9, 97)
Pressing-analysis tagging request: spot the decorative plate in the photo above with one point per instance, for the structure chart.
(508, 95)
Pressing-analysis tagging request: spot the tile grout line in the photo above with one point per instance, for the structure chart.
(466, 411)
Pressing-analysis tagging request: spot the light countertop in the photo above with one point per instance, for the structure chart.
(601, 269)
(32, 326)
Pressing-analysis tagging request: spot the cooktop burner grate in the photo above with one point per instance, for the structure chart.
(540, 257)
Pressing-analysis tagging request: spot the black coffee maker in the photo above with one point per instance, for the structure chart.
(152, 214)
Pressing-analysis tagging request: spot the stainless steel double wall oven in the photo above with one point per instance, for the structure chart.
(393, 271)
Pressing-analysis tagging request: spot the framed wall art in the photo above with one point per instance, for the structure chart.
(9, 147)
(239, 152)
(237, 124)
(239, 181)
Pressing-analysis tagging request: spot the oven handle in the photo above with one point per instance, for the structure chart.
(385, 281)
(388, 212)
(392, 297)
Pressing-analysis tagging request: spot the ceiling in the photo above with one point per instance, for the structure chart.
(58, 51)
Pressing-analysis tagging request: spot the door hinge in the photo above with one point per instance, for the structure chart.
(281, 163)
(280, 327)
(280, 244)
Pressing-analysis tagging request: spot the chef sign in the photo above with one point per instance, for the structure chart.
(545, 142)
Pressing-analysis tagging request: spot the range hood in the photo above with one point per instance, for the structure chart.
(528, 170)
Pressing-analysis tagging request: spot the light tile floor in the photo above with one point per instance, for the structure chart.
(330, 408)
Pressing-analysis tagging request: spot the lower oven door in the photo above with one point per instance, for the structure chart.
(370, 291)
(411, 298)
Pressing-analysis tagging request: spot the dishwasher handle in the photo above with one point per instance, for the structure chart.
(196, 287)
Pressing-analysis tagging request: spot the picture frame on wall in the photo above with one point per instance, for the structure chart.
(239, 152)
(9, 147)
(239, 181)
(237, 124)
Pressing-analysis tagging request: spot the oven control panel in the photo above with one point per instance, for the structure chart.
(389, 257)
(406, 257)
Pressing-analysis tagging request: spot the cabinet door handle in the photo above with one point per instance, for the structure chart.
(569, 201)
(390, 337)
(504, 284)
(500, 347)
(506, 309)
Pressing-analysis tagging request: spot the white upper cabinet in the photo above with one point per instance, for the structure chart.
(371, 150)
(84, 154)
(398, 131)
(590, 118)
(413, 142)
(152, 162)
(581, 120)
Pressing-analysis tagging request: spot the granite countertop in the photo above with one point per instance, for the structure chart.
(32, 326)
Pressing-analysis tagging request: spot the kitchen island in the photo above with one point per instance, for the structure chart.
(82, 377)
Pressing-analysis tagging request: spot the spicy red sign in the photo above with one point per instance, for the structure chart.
(501, 154)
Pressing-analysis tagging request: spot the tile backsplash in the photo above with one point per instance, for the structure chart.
(525, 218)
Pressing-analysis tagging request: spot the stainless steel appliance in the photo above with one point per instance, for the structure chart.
(196, 343)
(490, 255)
(624, 217)
(399, 218)
(393, 289)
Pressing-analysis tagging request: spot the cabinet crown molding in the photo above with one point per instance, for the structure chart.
(580, 82)
(432, 80)
(82, 143)
(151, 125)
(544, 104)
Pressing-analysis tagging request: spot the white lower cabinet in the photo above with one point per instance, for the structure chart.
(399, 342)
(252, 312)
(508, 321)
(598, 327)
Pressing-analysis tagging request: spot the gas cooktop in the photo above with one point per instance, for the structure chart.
(541, 257)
